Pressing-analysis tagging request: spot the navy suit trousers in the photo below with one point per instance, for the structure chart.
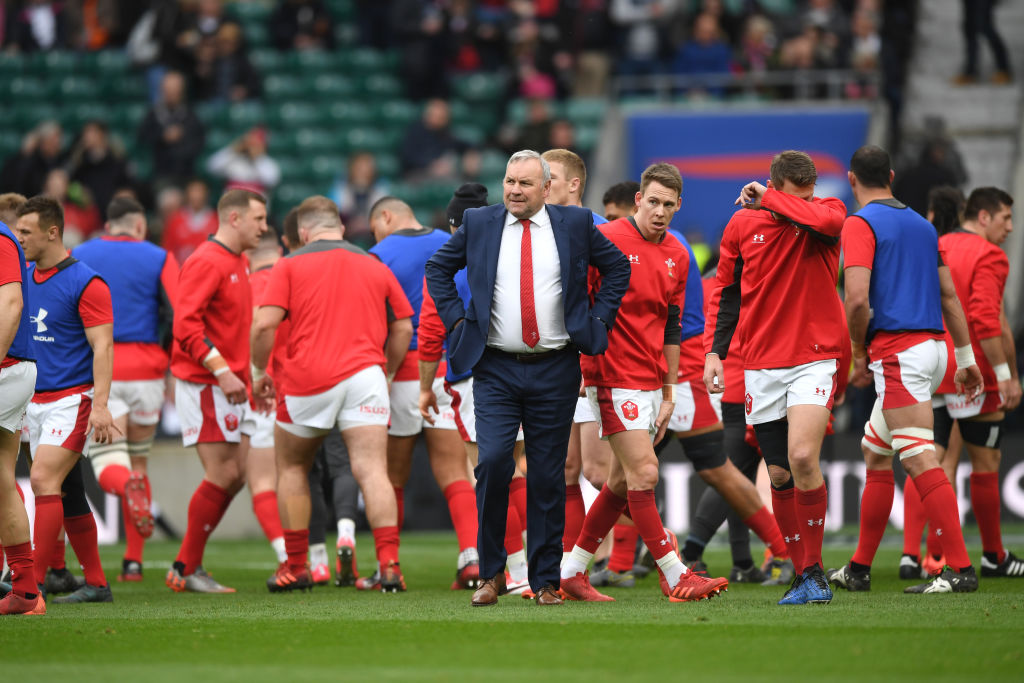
(542, 396)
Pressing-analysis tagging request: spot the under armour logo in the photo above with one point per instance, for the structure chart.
(38, 320)
(796, 539)
(811, 522)
(938, 532)
(634, 258)
(818, 391)
(234, 277)
(663, 542)
(759, 239)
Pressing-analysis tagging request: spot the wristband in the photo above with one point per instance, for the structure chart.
(220, 371)
(257, 374)
(1002, 372)
(668, 393)
(964, 356)
(214, 353)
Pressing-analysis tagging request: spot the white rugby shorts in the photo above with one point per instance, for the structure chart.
(259, 426)
(621, 410)
(406, 419)
(910, 376)
(464, 411)
(357, 401)
(17, 384)
(959, 406)
(64, 423)
(695, 407)
(206, 415)
(141, 400)
(584, 413)
(772, 391)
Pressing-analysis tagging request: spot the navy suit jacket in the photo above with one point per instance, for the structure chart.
(475, 247)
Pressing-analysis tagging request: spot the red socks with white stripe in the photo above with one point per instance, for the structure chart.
(875, 506)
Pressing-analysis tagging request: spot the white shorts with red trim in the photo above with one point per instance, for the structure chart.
(463, 408)
(406, 419)
(206, 415)
(910, 376)
(260, 428)
(357, 401)
(695, 408)
(17, 384)
(621, 410)
(584, 413)
(959, 406)
(770, 392)
(64, 423)
(141, 400)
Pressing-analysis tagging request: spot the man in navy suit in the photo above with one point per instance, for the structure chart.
(522, 343)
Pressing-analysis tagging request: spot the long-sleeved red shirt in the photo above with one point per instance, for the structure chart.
(781, 265)
(214, 310)
(979, 269)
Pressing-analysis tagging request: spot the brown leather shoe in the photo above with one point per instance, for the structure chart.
(489, 590)
(548, 595)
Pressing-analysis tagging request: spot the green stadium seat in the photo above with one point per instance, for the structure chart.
(249, 11)
(242, 115)
(128, 88)
(366, 60)
(519, 109)
(111, 61)
(346, 34)
(399, 113)
(74, 116)
(269, 61)
(11, 64)
(127, 116)
(286, 195)
(481, 87)
(324, 168)
(282, 87)
(217, 138)
(31, 114)
(492, 163)
(586, 109)
(469, 133)
(295, 114)
(351, 113)
(316, 61)
(212, 113)
(383, 86)
(373, 140)
(29, 89)
(56, 63)
(587, 137)
(256, 33)
(329, 86)
(388, 165)
(72, 88)
(294, 169)
(341, 10)
(318, 140)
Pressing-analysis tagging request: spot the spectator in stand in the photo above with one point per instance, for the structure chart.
(535, 133)
(864, 53)
(374, 18)
(169, 199)
(355, 194)
(705, 53)
(729, 23)
(460, 28)
(40, 153)
(640, 25)
(81, 217)
(542, 68)
(245, 163)
(563, 136)
(223, 72)
(429, 150)
(978, 19)
(40, 26)
(418, 28)
(932, 170)
(94, 24)
(757, 47)
(585, 31)
(302, 25)
(97, 164)
(173, 131)
(188, 227)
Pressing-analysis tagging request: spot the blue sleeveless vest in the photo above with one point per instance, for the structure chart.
(21, 347)
(63, 355)
(905, 294)
(132, 271)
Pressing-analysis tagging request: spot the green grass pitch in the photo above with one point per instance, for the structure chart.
(432, 633)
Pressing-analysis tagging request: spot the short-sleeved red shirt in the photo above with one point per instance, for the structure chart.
(340, 302)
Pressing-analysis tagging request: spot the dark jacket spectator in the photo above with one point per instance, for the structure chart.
(40, 25)
(40, 153)
(932, 170)
(223, 71)
(706, 52)
(97, 165)
(173, 131)
(429, 148)
(302, 25)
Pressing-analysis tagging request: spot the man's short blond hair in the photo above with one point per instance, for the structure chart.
(10, 202)
(666, 175)
(571, 162)
(318, 213)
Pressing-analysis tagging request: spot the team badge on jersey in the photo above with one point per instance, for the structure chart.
(231, 422)
(630, 411)
(671, 267)
(748, 403)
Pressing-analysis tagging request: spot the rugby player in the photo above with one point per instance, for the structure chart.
(210, 359)
(778, 270)
(898, 291)
(404, 246)
(143, 280)
(342, 351)
(72, 341)
(631, 388)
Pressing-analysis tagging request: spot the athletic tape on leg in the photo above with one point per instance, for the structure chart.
(140, 449)
(911, 441)
(876, 433)
(104, 455)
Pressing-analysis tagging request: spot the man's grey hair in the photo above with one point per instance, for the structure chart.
(525, 155)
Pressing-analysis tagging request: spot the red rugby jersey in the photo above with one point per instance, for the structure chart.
(635, 357)
(340, 301)
(214, 309)
(258, 282)
(783, 263)
(731, 364)
(979, 269)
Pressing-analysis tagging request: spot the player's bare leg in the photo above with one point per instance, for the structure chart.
(50, 466)
(447, 461)
(294, 458)
(367, 451)
(400, 449)
(14, 534)
(261, 477)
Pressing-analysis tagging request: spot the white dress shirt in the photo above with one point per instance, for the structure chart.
(506, 331)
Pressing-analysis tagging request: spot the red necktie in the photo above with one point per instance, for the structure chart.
(530, 333)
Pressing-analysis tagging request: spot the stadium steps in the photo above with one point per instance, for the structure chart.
(983, 118)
